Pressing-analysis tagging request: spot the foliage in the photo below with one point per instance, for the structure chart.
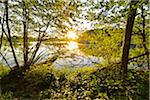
(98, 83)
(46, 82)
(106, 43)
(31, 18)
(4, 70)
(7, 96)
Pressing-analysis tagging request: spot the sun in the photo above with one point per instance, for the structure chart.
(72, 35)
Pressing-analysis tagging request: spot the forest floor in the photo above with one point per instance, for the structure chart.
(46, 82)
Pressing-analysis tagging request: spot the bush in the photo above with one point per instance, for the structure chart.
(47, 82)
(7, 96)
(4, 70)
(99, 85)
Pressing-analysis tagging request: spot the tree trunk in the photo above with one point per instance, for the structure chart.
(9, 35)
(144, 36)
(25, 34)
(129, 27)
(1, 40)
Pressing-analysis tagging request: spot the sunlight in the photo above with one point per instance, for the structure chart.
(72, 45)
(72, 35)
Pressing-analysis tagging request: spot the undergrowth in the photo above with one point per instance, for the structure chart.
(46, 82)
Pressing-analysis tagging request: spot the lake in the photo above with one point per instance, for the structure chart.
(69, 54)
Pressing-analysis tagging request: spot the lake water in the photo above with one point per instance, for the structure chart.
(68, 54)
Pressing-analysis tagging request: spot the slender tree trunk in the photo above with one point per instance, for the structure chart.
(144, 35)
(31, 61)
(129, 27)
(1, 40)
(39, 41)
(9, 35)
(25, 34)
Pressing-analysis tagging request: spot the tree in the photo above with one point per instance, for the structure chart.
(28, 17)
(144, 35)
(9, 37)
(129, 27)
(25, 33)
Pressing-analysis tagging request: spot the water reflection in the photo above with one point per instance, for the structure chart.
(72, 45)
(71, 57)
(74, 57)
(72, 49)
(78, 61)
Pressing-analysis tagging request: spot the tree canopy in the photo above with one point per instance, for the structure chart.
(74, 49)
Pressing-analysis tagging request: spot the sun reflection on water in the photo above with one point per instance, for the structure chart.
(72, 45)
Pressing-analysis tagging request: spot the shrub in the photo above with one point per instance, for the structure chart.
(4, 70)
(47, 82)
(7, 96)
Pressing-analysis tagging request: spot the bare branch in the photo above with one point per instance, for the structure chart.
(40, 38)
(5, 60)
(9, 35)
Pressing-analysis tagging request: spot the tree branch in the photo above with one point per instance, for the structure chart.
(5, 60)
(9, 35)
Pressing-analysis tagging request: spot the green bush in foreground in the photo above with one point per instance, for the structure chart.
(46, 82)
(7, 96)
(4, 70)
(99, 84)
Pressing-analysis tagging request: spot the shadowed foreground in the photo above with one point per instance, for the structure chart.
(46, 82)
